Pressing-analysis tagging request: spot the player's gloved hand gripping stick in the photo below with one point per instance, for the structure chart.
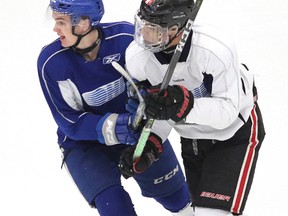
(175, 58)
(141, 107)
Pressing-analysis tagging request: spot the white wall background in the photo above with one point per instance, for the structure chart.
(31, 181)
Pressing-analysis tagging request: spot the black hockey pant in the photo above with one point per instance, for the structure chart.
(220, 173)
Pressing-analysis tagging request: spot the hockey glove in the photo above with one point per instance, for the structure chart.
(135, 105)
(141, 86)
(115, 129)
(151, 153)
(174, 103)
(132, 107)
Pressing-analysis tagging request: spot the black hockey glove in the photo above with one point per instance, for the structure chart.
(151, 153)
(174, 103)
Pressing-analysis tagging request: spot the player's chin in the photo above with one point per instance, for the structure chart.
(65, 43)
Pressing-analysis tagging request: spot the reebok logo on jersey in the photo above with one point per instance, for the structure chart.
(109, 59)
(179, 80)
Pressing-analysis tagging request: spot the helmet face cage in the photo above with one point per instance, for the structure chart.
(150, 36)
(77, 9)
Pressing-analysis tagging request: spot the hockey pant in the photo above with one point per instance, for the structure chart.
(220, 173)
(95, 171)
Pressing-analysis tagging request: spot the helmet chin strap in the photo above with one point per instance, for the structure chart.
(79, 38)
(172, 48)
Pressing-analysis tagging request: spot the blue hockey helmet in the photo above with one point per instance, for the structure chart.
(92, 9)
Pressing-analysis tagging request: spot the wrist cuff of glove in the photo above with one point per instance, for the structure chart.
(156, 143)
(151, 153)
(106, 129)
(187, 105)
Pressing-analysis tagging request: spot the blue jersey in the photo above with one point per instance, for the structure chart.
(78, 92)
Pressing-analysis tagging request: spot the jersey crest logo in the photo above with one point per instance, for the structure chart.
(105, 93)
(109, 59)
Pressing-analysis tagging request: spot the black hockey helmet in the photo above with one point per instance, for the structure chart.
(166, 12)
(154, 19)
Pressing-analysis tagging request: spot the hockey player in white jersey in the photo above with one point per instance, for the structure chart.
(211, 102)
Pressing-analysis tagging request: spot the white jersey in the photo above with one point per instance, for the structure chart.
(222, 87)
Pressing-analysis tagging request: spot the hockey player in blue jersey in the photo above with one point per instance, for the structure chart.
(87, 96)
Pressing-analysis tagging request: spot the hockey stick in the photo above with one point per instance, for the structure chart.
(170, 70)
(141, 107)
(139, 113)
(180, 46)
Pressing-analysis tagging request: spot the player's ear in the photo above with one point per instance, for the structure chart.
(173, 30)
(84, 24)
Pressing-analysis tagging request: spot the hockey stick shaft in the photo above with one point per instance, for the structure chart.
(170, 70)
(139, 114)
(179, 48)
(141, 107)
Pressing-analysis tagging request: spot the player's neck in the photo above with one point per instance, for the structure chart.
(90, 40)
(90, 56)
